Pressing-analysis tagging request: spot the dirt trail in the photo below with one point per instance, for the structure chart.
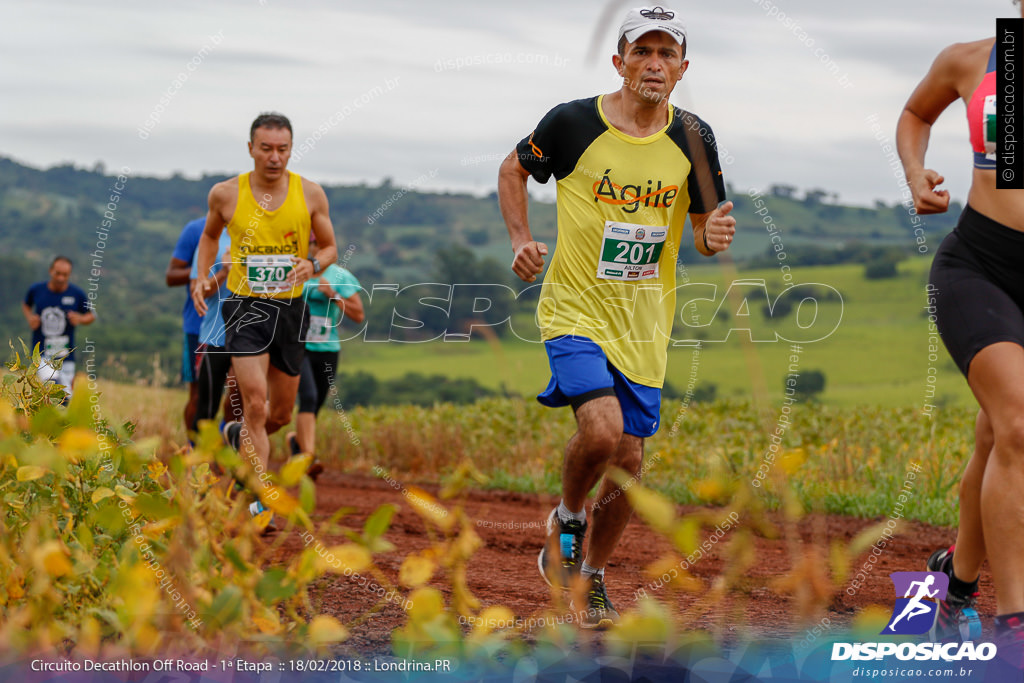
(504, 571)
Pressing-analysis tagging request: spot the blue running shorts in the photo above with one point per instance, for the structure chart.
(581, 372)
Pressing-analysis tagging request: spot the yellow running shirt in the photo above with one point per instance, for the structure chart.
(263, 242)
(622, 203)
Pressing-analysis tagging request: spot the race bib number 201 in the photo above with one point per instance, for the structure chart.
(267, 273)
(630, 252)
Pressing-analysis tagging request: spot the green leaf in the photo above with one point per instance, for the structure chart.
(101, 493)
(293, 471)
(379, 521)
(48, 421)
(307, 494)
(225, 608)
(275, 586)
(235, 558)
(154, 507)
(79, 412)
(125, 493)
(109, 518)
(85, 538)
(379, 545)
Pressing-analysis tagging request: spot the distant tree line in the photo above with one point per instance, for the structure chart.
(363, 389)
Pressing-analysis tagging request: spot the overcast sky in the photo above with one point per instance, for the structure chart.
(405, 89)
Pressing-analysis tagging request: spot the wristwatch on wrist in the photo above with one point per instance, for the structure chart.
(316, 264)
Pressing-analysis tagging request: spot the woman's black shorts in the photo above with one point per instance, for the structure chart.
(317, 379)
(977, 280)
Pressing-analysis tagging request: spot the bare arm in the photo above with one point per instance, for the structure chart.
(939, 88)
(177, 272)
(76, 318)
(213, 284)
(31, 317)
(322, 229)
(352, 307)
(514, 202)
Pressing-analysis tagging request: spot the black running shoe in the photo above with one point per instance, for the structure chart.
(957, 620)
(560, 559)
(599, 613)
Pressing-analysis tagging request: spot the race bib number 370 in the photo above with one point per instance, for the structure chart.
(267, 273)
(630, 252)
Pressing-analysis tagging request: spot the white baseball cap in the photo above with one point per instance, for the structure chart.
(641, 20)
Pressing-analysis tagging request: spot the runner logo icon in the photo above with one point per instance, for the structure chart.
(917, 596)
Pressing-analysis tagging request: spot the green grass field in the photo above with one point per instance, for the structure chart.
(878, 355)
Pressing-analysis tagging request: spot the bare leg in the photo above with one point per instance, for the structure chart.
(281, 390)
(232, 399)
(305, 431)
(599, 430)
(612, 515)
(994, 376)
(192, 406)
(970, 536)
(251, 373)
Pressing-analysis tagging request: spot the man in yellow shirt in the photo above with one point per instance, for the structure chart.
(629, 167)
(269, 214)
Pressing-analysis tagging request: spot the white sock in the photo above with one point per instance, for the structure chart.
(587, 570)
(567, 515)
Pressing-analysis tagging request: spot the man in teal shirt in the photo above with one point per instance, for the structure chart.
(329, 297)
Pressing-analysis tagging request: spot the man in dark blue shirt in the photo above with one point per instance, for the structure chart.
(53, 308)
(178, 271)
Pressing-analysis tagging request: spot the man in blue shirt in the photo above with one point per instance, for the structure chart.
(53, 309)
(178, 271)
(213, 369)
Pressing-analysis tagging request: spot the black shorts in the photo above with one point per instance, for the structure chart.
(254, 326)
(978, 283)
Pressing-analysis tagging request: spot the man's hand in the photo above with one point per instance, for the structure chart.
(74, 317)
(301, 271)
(34, 321)
(200, 287)
(529, 260)
(926, 198)
(720, 228)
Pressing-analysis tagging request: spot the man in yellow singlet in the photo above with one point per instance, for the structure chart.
(269, 214)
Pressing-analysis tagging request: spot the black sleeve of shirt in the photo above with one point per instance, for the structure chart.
(559, 140)
(705, 183)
